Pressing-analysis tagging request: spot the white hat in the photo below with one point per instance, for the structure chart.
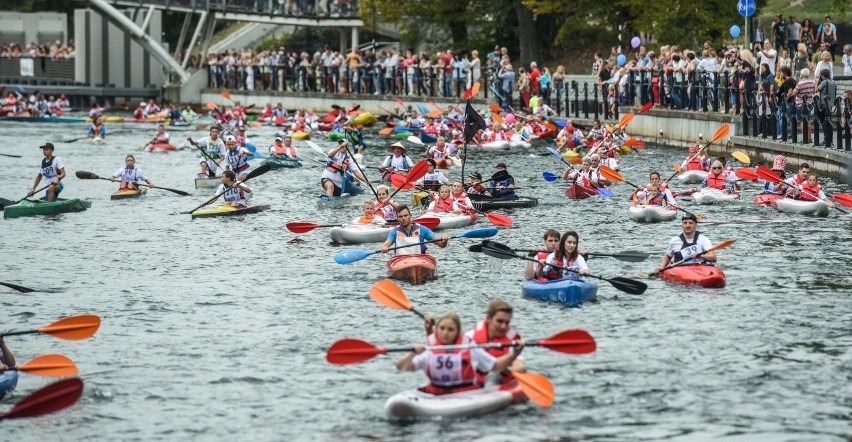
(279, 138)
(230, 138)
(143, 104)
(397, 144)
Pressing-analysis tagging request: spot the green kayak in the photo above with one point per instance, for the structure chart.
(403, 135)
(40, 207)
(334, 136)
(282, 163)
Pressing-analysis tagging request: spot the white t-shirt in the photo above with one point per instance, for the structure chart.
(134, 175)
(768, 56)
(50, 172)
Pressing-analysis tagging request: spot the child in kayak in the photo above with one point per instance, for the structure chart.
(443, 203)
(385, 206)
(567, 256)
(452, 371)
(370, 216)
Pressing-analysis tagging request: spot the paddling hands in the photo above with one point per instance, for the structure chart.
(7, 359)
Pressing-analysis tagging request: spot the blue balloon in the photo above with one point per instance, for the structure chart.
(735, 31)
(622, 59)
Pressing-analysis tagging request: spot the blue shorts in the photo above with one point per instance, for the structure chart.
(47, 191)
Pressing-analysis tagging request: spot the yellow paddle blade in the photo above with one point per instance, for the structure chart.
(537, 387)
(49, 365)
(741, 157)
(388, 294)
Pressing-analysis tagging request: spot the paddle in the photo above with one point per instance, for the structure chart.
(355, 255)
(741, 157)
(305, 227)
(74, 140)
(350, 351)
(627, 255)
(72, 328)
(17, 287)
(46, 400)
(389, 294)
(503, 251)
(253, 174)
(91, 176)
(767, 174)
(418, 171)
(722, 132)
(549, 176)
(843, 198)
(495, 218)
(210, 172)
(10, 156)
(358, 166)
(48, 365)
(35, 192)
(746, 174)
(612, 175)
(414, 140)
(721, 245)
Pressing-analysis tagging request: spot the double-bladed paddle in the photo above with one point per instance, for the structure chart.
(722, 132)
(355, 255)
(418, 171)
(722, 245)
(17, 287)
(253, 174)
(48, 365)
(34, 192)
(305, 227)
(91, 176)
(626, 256)
(46, 400)
(9, 155)
(502, 251)
(389, 294)
(744, 173)
(742, 157)
(602, 191)
(767, 174)
(72, 328)
(613, 175)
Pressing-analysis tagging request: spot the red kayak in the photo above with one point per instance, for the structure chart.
(160, 147)
(578, 192)
(414, 268)
(701, 274)
(767, 199)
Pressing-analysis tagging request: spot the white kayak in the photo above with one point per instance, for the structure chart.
(98, 140)
(415, 403)
(713, 196)
(451, 220)
(520, 144)
(651, 214)
(692, 176)
(353, 233)
(496, 145)
(815, 208)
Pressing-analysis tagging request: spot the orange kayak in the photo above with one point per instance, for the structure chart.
(414, 268)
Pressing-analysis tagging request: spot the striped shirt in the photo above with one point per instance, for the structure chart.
(805, 88)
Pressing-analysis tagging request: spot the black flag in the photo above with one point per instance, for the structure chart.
(473, 122)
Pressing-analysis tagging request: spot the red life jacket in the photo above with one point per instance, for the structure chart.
(561, 262)
(443, 205)
(716, 181)
(809, 193)
(443, 362)
(658, 200)
(695, 163)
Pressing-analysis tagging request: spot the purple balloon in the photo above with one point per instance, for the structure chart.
(635, 42)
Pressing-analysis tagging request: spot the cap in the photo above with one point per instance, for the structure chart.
(476, 175)
(690, 216)
(499, 165)
(230, 138)
(143, 103)
(780, 162)
(47, 146)
(693, 149)
(397, 144)
(279, 138)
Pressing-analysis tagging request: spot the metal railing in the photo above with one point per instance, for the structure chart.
(290, 8)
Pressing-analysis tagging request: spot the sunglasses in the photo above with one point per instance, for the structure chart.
(716, 168)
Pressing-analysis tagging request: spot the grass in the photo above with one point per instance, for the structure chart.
(815, 10)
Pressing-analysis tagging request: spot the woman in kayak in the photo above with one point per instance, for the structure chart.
(235, 195)
(130, 175)
(458, 195)
(551, 242)
(585, 177)
(566, 256)
(778, 166)
(385, 206)
(452, 371)
(718, 179)
(443, 202)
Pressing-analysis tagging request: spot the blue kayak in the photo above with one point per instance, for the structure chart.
(568, 291)
(8, 381)
(428, 139)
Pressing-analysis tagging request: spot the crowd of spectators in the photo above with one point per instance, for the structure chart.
(56, 50)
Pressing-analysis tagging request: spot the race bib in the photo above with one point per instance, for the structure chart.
(446, 369)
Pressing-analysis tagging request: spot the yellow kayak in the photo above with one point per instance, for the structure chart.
(109, 119)
(571, 154)
(624, 150)
(128, 193)
(366, 119)
(228, 210)
(300, 135)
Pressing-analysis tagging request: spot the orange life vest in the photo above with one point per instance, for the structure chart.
(695, 163)
(810, 193)
(717, 181)
(443, 205)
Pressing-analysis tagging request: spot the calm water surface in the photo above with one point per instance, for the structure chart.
(215, 329)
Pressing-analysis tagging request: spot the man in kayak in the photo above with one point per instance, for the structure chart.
(7, 359)
(685, 248)
(433, 180)
(213, 152)
(502, 183)
(337, 165)
(397, 161)
(408, 233)
(237, 158)
(160, 137)
(235, 194)
(797, 180)
(130, 175)
(283, 148)
(53, 171)
(475, 186)
(496, 329)
(551, 242)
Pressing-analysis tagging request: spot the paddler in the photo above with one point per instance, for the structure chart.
(355, 137)
(7, 358)
(370, 216)
(53, 171)
(161, 136)
(459, 196)
(443, 202)
(654, 178)
(551, 242)
(385, 206)
(778, 166)
(130, 175)
(475, 187)
(409, 233)
(213, 152)
(235, 193)
(585, 177)
(453, 371)
(595, 167)
(810, 190)
(433, 180)
(684, 248)
(237, 157)
(440, 151)
(718, 179)
(566, 255)
(502, 183)
(397, 161)
(283, 148)
(338, 163)
(97, 129)
(798, 179)
(696, 161)
(496, 329)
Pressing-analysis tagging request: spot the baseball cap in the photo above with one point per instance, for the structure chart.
(476, 175)
(279, 138)
(47, 146)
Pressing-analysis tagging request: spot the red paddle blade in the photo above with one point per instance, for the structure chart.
(575, 160)
(843, 198)
(499, 220)
(352, 351)
(767, 174)
(49, 365)
(401, 182)
(49, 399)
(301, 227)
(73, 328)
(646, 107)
(537, 387)
(466, 94)
(399, 101)
(418, 171)
(746, 174)
(431, 223)
(575, 342)
(388, 294)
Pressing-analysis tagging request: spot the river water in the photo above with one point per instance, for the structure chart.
(217, 328)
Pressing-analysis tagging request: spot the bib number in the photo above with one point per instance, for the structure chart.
(445, 369)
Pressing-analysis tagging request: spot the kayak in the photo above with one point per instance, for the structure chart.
(403, 135)
(571, 154)
(789, 205)
(578, 192)
(651, 214)
(40, 207)
(415, 403)
(415, 268)
(702, 274)
(98, 140)
(421, 198)
(54, 119)
(8, 381)
(298, 135)
(428, 139)
(108, 119)
(485, 203)
(496, 145)
(568, 291)
(144, 120)
(282, 163)
(692, 176)
(767, 199)
(334, 136)
(713, 196)
(128, 193)
(365, 119)
(520, 144)
(406, 128)
(228, 210)
(355, 233)
(161, 147)
(451, 220)
(203, 181)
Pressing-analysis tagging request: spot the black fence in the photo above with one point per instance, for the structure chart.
(43, 69)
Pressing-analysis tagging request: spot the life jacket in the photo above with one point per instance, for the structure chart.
(161, 138)
(430, 129)
(480, 336)
(443, 205)
(450, 371)
(695, 163)
(687, 249)
(267, 112)
(339, 163)
(387, 210)
(413, 237)
(476, 190)
(658, 200)
(809, 193)
(399, 164)
(366, 220)
(715, 181)
(561, 262)
(96, 128)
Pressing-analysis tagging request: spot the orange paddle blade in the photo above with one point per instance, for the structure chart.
(722, 132)
(625, 120)
(677, 168)
(255, 124)
(549, 125)
(843, 198)
(498, 118)
(212, 106)
(73, 328)
(499, 220)
(722, 245)
(474, 91)
(388, 294)
(575, 160)
(386, 131)
(435, 113)
(494, 108)
(49, 365)
(352, 351)
(226, 95)
(537, 387)
(630, 142)
(610, 174)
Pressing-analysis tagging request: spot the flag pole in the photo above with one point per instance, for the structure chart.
(464, 154)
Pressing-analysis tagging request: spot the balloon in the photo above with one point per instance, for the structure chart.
(635, 42)
(510, 118)
(622, 59)
(735, 31)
